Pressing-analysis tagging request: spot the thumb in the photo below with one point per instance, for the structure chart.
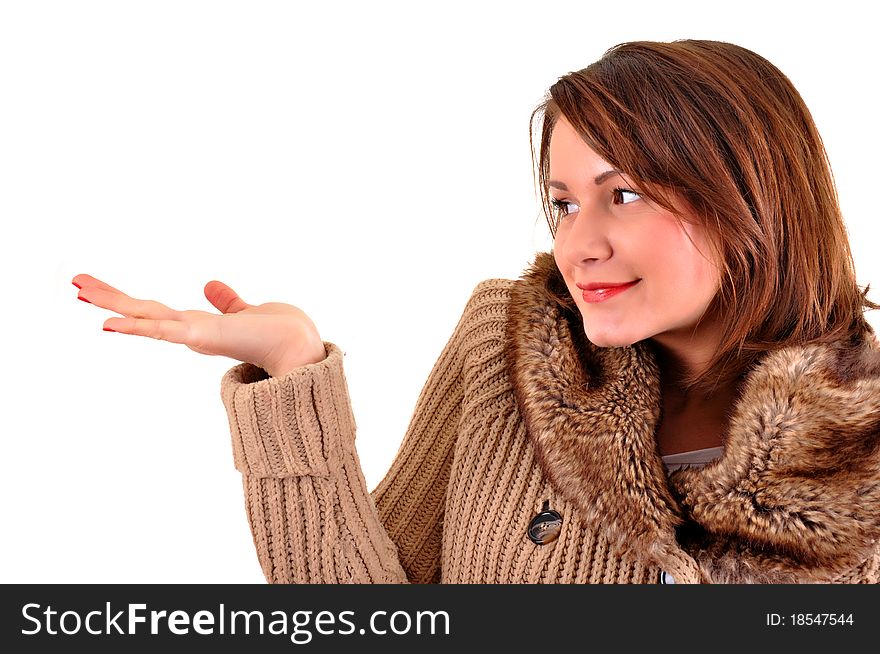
(224, 298)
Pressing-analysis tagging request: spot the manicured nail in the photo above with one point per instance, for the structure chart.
(107, 329)
(75, 284)
(80, 297)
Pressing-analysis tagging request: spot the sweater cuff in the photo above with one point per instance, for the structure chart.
(292, 425)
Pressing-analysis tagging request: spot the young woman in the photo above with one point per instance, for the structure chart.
(685, 391)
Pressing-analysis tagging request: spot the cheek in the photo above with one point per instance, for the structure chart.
(560, 262)
(700, 279)
(680, 267)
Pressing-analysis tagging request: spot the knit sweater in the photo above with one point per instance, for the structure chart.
(521, 414)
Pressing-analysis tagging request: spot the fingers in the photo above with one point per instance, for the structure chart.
(107, 297)
(87, 281)
(102, 294)
(224, 298)
(173, 331)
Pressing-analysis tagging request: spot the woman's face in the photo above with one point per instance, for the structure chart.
(608, 235)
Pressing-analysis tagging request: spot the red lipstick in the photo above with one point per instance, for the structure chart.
(601, 291)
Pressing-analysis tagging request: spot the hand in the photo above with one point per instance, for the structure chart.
(276, 337)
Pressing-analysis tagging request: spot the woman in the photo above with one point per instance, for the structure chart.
(685, 391)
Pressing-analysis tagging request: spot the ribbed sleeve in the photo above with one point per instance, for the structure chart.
(311, 516)
(288, 426)
(306, 500)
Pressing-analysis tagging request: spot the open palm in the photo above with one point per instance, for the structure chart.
(274, 336)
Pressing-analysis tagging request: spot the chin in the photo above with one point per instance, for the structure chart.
(610, 340)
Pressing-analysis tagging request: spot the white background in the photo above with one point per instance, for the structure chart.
(366, 161)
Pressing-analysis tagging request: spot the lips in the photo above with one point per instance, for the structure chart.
(592, 286)
(601, 291)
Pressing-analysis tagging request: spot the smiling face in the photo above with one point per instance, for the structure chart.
(608, 234)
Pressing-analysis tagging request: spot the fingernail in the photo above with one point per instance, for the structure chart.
(107, 329)
(75, 284)
(80, 297)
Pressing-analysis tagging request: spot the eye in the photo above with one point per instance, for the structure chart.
(562, 208)
(624, 196)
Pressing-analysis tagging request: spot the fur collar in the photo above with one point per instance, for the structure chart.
(798, 486)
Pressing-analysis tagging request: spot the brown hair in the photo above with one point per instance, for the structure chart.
(720, 129)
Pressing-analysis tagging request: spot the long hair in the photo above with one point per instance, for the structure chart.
(718, 129)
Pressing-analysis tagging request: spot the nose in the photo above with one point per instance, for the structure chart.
(582, 239)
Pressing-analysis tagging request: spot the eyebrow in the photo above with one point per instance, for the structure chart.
(598, 179)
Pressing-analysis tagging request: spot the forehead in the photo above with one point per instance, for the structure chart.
(568, 151)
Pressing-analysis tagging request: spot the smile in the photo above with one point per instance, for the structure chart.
(602, 294)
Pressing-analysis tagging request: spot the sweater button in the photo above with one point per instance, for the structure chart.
(666, 578)
(545, 527)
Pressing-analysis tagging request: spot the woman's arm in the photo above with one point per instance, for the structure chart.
(306, 501)
(310, 514)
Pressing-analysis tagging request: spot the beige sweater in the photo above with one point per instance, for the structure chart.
(521, 413)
